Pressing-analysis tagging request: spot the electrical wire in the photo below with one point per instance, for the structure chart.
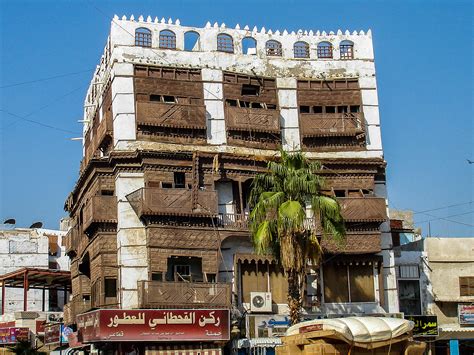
(444, 207)
(446, 219)
(45, 79)
(25, 117)
(37, 122)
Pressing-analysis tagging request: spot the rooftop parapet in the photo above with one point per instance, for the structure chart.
(123, 34)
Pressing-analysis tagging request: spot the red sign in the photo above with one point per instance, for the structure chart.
(40, 326)
(13, 335)
(154, 325)
(7, 324)
(52, 333)
(311, 328)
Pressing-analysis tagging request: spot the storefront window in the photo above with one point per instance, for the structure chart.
(349, 283)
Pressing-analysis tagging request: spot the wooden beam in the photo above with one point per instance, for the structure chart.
(25, 291)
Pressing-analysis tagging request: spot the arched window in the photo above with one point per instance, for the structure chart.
(301, 50)
(273, 48)
(346, 49)
(324, 50)
(249, 46)
(225, 43)
(191, 41)
(167, 39)
(143, 37)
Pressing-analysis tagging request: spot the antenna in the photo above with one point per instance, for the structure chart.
(10, 221)
(37, 225)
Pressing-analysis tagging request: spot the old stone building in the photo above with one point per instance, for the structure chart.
(178, 120)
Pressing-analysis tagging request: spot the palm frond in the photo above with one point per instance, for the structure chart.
(263, 237)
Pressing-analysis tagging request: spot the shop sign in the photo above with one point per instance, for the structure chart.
(154, 325)
(13, 335)
(466, 314)
(424, 325)
(40, 326)
(56, 333)
(264, 326)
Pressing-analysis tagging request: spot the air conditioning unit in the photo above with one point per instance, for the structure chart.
(260, 302)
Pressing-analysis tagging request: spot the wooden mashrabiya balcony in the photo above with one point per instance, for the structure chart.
(178, 202)
(171, 115)
(363, 209)
(73, 308)
(331, 124)
(161, 294)
(104, 128)
(100, 209)
(252, 119)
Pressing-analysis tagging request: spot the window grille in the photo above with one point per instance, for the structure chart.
(324, 50)
(347, 50)
(167, 40)
(408, 271)
(143, 37)
(301, 50)
(225, 43)
(274, 48)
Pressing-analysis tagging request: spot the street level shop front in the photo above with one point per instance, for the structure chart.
(155, 332)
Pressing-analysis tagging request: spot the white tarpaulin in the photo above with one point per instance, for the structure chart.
(358, 329)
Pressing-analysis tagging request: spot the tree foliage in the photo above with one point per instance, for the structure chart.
(280, 199)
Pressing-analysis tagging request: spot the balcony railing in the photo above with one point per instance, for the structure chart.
(363, 209)
(160, 294)
(178, 202)
(100, 209)
(331, 124)
(232, 221)
(171, 115)
(73, 308)
(252, 119)
(353, 209)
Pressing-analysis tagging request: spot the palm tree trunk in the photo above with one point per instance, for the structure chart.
(294, 296)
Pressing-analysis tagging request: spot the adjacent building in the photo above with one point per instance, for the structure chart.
(451, 269)
(34, 248)
(435, 278)
(34, 279)
(178, 121)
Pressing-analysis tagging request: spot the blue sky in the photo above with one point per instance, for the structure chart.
(424, 61)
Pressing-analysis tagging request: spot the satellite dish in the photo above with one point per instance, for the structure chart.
(37, 225)
(10, 221)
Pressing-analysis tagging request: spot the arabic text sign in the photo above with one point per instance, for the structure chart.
(12, 335)
(154, 325)
(466, 314)
(424, 325)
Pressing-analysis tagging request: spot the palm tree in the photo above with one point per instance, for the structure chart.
(278, 224)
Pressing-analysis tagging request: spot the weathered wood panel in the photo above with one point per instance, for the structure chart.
(100, 209)
(314, 125)
(171, 115)
(155, 294)
(160, 201)
(252, 119)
